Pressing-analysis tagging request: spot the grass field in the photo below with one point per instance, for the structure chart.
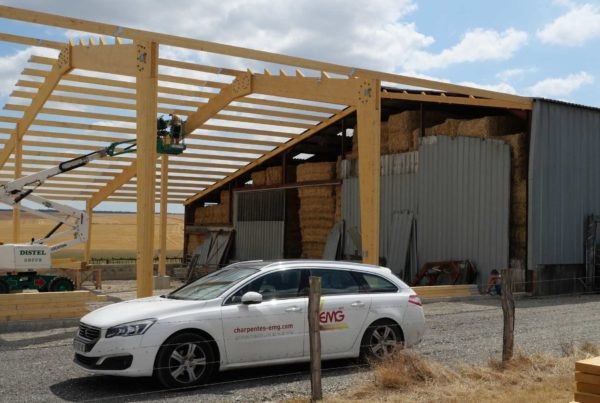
(113, 235)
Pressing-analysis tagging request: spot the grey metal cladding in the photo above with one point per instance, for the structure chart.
(564, 178)
(464, 193)
(458, 190)
(259, 234)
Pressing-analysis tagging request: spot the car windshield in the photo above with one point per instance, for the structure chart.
(213, 285)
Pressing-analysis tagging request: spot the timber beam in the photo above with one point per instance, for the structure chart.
(62, 67)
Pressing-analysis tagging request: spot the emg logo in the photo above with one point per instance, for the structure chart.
(332, 316)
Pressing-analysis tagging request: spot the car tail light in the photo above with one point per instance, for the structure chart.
(415, 300)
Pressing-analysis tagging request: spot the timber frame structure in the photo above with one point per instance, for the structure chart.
(112, 86)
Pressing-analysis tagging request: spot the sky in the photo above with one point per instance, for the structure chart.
(533, 48)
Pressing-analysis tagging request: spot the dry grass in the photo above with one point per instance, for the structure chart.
(409, 377)
(112, 234)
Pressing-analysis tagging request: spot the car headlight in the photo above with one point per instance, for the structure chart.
(130, 329)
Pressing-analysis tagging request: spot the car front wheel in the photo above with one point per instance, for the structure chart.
(381, 341)
(186, 359)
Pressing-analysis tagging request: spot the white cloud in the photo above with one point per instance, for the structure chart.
(511, 74)
(380, 36)
(11, 66)
(579, 25)
(476, 45)
(500, 87)
(560, 87)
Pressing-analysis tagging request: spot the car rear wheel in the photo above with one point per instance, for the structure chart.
(381, 341)
(186, 359)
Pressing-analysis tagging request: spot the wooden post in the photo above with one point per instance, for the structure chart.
(146, 112)
(369, 166)
(162, 234)
(16, 216)
(314, 333)
(87, 255)
(508, 309)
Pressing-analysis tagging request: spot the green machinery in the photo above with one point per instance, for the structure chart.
(19, 262)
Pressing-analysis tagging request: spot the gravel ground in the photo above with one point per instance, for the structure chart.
(37, 366)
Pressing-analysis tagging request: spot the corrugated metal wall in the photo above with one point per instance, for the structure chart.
(258, 219)
(458, 189)
(564, 181)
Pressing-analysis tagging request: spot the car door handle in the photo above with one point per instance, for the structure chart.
(357, 304)
(293, 309)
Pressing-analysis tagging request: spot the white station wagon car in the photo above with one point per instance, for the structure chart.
(250, 314)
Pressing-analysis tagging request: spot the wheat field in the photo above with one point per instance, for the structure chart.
(113, 234)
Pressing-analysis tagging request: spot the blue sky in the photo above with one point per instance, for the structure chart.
(534, 47)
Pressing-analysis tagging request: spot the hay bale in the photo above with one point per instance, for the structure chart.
(518, 214)
(315, 171)
(315, 191)
(315, 234)
(225, 197)
(338, 204)
(313, 250)
(519, 192)
(490, 126)
(274, 175)
(518, 236)
(448, 128)
(518, 148)
(315, 222)
(317, 210)
(259, 178)
(400, 143)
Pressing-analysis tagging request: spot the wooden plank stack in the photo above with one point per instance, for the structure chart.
(46, 305)
(317, 207)
(446, 291)
(587, 379)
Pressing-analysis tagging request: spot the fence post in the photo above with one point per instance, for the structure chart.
(508, 309)
(314, 300)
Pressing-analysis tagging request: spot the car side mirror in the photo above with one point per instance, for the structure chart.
(251, 297)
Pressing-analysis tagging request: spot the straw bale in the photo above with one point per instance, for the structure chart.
(338, 204)
(448, 128)
(490, 126)
(518, 173)
(318, 209)
(518, 148)
(315, 171)
(225, 197)
(273, 175)
(518, 214)
(400, 142)
(315, 234)
(313, 250)
(518, 235)
(315, 191)
(316, 222)
(259, 178)
(519, 192)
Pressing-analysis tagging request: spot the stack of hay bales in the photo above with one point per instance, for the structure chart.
(518, 191)
(489, 126)
(215, 215)
(272, 176)
(403, 129)
(317, 207)
(259, 178)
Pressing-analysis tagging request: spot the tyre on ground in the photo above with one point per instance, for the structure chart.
(381, 340)
(184, 360)
(61, 284)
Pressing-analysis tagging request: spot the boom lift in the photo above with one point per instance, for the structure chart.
(20, 263)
